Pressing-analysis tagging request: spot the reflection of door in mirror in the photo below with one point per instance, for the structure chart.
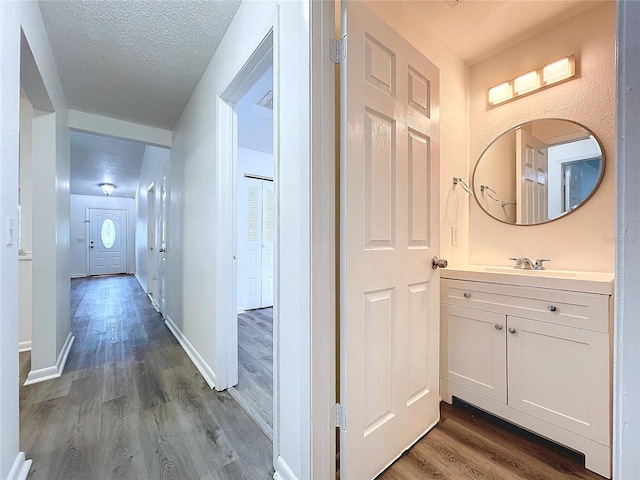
(580, 179)
(531, 178)
(574, 171)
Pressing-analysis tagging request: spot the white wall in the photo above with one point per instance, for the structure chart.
(589, 100)
(78, 232)
(454, 122)
(154, 160)
(202, 218)
(13, 16)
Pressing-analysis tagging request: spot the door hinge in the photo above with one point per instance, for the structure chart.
(338, 50)
(339, 417)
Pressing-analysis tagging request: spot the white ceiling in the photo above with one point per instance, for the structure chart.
(134, 60)
(478, 29)
(141, 60)
(96, 159)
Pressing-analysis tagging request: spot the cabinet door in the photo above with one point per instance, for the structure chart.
(473, 350)
(561, 375)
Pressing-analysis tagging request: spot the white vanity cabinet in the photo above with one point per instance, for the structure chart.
(538, 356)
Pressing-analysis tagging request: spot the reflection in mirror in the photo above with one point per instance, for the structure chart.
(538, 171)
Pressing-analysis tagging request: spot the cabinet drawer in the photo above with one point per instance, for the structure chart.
(574, 309)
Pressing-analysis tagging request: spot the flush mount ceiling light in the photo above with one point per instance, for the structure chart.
(107, 188)
(542, 77)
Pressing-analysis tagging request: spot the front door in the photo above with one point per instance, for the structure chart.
(108, 241)
(389, 223)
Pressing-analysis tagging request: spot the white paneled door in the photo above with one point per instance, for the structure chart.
(389, 234)
(532, 167)
(108, 241)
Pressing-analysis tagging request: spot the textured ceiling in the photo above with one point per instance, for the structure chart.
(478, 29)
(96, 159)
(134, 60)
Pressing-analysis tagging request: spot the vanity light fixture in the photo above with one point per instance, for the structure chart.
(107, 188)
(533, 81)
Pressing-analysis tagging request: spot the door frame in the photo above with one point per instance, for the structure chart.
(304, 442)
(151, 241)
(161, 229)
(227, 141)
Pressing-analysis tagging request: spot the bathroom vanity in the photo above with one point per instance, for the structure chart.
(534, 348)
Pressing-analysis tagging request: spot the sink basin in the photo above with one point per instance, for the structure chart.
(589, 282)
(537, 273)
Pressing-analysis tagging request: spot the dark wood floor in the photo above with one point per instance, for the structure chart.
(130, 404)
(469, 444)
(255, 365)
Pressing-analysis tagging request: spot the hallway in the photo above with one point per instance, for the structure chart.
(130, 403)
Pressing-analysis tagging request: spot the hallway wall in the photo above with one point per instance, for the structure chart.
(14, 18)
(200, 215)
(78, 232)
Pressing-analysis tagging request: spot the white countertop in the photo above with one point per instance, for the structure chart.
(575, 281)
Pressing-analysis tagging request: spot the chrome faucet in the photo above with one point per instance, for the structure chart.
(524, 263)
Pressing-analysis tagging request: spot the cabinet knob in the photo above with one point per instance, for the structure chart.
(552, 308)
(512, 330)
(498, 326)
(467, 295)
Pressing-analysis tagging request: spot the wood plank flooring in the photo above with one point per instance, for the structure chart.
(130, 404)
(255, 365)
(470, 444)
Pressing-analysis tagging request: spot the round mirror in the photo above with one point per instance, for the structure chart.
(538, 171)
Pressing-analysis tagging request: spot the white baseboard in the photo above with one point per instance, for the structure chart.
(24, 346)
(283, 471)
(141, 282)
(49, 373)
(20, 468)
(205, 370)
(64, 353)
(42, 375)
(79, 275)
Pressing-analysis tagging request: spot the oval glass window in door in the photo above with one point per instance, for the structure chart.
(108, 233)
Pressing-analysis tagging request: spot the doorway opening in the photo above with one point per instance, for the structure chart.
(254, 244)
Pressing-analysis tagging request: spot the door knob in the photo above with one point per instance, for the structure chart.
(512, 330)
(162, 250)
(437, 263)
(552, 308)
(498, 326)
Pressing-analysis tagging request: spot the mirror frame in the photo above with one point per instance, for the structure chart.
(512, 129)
